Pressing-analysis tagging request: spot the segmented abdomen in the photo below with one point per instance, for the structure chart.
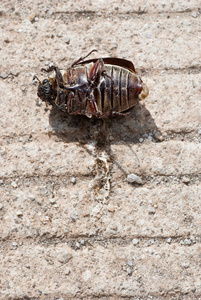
(119, 94)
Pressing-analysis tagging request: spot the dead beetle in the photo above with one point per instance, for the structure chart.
(99, 87)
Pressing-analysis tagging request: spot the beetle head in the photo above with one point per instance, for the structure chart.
(47, 90)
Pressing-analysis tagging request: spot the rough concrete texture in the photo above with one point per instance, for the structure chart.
(72, 226)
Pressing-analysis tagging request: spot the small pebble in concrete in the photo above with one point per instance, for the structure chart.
(32, 197)
(151, 251)
(77, 245)
(52, 201)
(192, 238)
(111, 208)
(129, 271)
(185, 179)
(4, 75)
(187, 242)
(135, 241)
(67, 271)
(64, 258)
(14, 184)
(86, 275)
(15, 245)
(185, 265)
(194, 14)
(151, 210)
(132, 178)
(66, 40)
(129, 262)
(32, 17)
(159, 137)
(73, 180)
(19, 213)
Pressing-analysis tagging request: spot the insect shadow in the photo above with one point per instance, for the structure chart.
(135, 128)
(132, 129)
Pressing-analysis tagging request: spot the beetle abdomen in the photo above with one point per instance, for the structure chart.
(119, 92)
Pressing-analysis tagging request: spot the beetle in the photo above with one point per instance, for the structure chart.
(99, 87)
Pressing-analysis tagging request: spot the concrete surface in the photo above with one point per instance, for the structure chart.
(72, 226)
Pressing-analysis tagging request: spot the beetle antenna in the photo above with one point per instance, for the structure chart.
(35, 77)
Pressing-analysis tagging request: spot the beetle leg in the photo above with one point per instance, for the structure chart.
(94, 71)
(104, 74)
(103, 71)
(115, 114)
(82, 58)
(75, 63)
(92, 108)
(98, 67)
(57, 71)
(70, 97)
(78, 112)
